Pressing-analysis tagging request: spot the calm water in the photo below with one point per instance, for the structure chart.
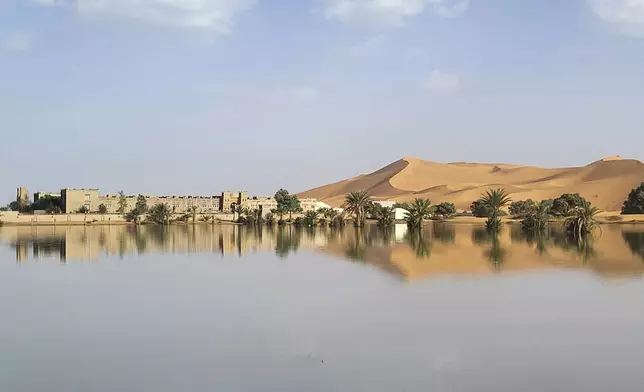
(224, 308)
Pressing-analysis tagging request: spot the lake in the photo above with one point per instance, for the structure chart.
(229, 308)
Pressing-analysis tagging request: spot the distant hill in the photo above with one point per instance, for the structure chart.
(605, 183)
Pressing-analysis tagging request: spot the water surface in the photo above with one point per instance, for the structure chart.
(230, 308)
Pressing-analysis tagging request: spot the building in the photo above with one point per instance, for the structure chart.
(386, 203)
(22, 196)
(73, 200)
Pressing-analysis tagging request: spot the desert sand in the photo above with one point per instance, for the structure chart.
(606, 183)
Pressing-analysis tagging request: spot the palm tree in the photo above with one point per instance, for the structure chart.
(160, 214)
(494, 200)
(417, 211)
(583, 221)
(357, 203)
(311, 218)
(384, 215)
(192, 210)
(537, 221)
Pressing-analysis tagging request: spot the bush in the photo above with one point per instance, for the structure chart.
(102, 209)
(445, 210)
(566, 204)
(634, 204)
(480, 209)
(298, 221)
(522, 208)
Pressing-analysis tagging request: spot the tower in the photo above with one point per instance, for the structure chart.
(22, 196)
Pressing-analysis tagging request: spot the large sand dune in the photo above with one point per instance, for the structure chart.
(606, 183)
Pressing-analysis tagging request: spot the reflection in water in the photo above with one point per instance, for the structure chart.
(420, 241)
(451, 248)
(635, 241)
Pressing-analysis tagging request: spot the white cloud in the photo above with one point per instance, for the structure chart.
(627, 16)
(442, 82)
(218, 16)
(389, 13)
(19, 41)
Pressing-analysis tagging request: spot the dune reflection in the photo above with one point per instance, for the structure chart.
(437, 249)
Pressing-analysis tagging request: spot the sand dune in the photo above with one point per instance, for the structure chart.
(606, 182)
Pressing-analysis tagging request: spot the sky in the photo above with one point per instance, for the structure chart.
(200, 96)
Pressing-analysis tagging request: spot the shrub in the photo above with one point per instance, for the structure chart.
(566, 204)
(102, 209)
(634, 204)
(445, 210)
(522, 208)
(480, 209)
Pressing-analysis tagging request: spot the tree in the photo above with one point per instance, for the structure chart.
(160, 214)
(311, 218)
(193, 210)
(566, 204)
(634, 204)
(122, 203)
(479, 209)
(140, 208)
(536, 222)
(287, 203)
(522, 208)
(141, 205)
(493, 200)
(445, 210)
(270, 219)
(582, 222)
(102, 209)
(417, 212)
(83, 210)
(357, 203)
(48, 203)
(384, 215)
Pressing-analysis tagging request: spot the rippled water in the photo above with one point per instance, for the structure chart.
(227, 308)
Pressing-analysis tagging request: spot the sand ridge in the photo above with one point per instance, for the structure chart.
(606, 182)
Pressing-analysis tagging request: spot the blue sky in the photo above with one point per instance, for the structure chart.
(200, 96)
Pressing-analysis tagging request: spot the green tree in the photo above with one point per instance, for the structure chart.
(566, 204)
(522, 208)
(122, 203)
(634, 204)
(445, 210)
(480, 209)
(417, 212)
(102, 209)
(357, 204)
(83, 210)
(583, 221)
(287, 203)
(159, 214)
(140, 209)
(493, 200)
(384, 215)
(141, 206)
(193, 211)
(311, 218)
(48, 203)
(537, 220)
